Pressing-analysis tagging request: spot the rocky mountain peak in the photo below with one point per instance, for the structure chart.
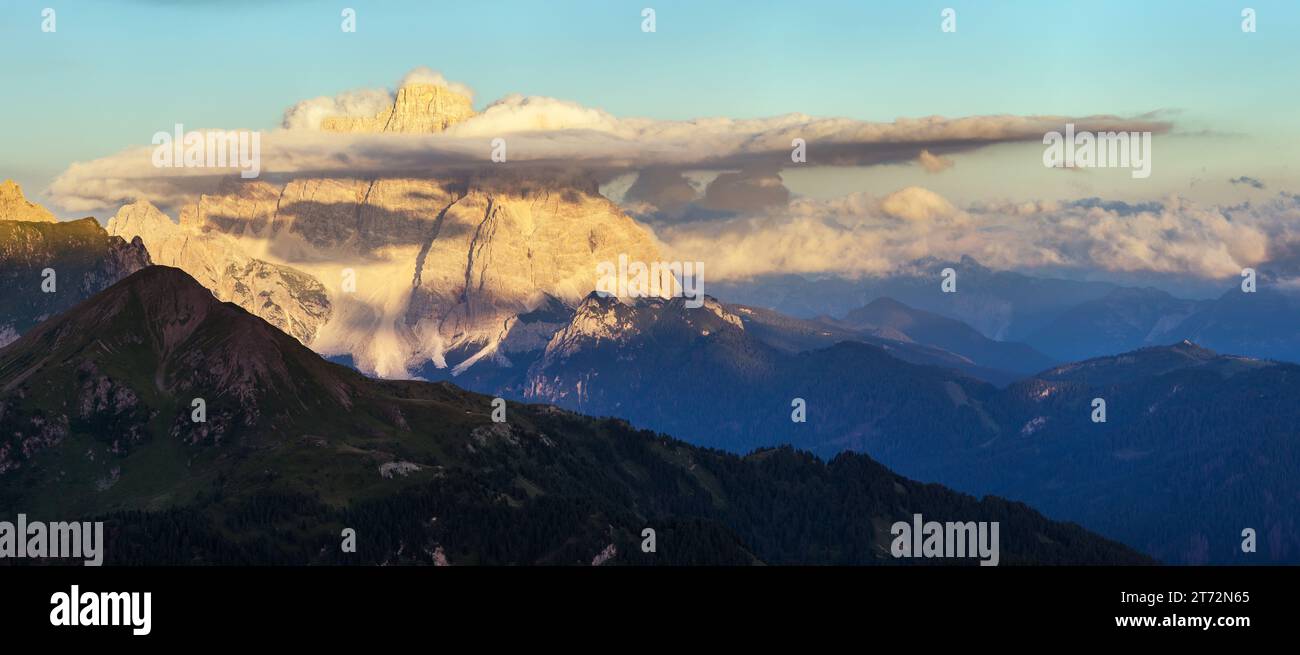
(597, 318)
(418, 108)
(140, 219)
(159, 319)
(607, 319)
(287, 298)
(14, 206)
(398, 273)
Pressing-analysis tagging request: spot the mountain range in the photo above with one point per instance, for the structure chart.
(886, 317)
(396, 273)
(1001, 305)
(1066, 320)
(98, 417)
(793, 394)
(1196, 448)
(1186, 427)
(1260, 324)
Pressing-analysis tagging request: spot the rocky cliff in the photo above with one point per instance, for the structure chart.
(418, 108)
(14, 206)
(48, 267)
(396, 274)
(283, 296)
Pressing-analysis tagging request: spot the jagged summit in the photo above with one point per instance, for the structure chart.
(397, 274)
(139, 216)
(603, 320)
(193, 342)
(676, 307)
(282, 295)
(418, 108)
(14, 206)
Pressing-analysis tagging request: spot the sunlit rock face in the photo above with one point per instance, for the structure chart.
(285, 297)
(14, 206)
(418, 108)
(396, 274)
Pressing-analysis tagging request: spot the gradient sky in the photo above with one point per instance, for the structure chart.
(116, 72)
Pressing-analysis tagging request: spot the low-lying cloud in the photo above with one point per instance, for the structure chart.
(861, 235)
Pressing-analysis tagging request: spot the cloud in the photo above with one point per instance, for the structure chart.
(549, 133)
(749, 190)
(308, 114)
(665, 190)
(516, 113)
(861, 235)
(917, 204)
(1249, 181)
(933, 163)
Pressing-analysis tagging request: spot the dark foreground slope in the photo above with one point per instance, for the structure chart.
(97, 409)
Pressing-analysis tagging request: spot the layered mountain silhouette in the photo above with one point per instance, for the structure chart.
(1001, 305)
(1185, 427)
(99, 412)
(99, 399)
(886, 316)
(1259, 324)
(700, 374)
(1122, 320)
(1065, 320)
(792, 334)
(1196, 448)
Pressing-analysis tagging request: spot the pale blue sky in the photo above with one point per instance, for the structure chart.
(116, 72)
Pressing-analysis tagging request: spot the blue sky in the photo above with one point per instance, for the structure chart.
(116, 72)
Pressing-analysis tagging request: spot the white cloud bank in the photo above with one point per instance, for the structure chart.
(760, 230)
(861, 235)
(542, 131)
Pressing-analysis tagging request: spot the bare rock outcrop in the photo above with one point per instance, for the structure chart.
(398, 274)
(285, 297)
(14, 206)
(418, 108)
